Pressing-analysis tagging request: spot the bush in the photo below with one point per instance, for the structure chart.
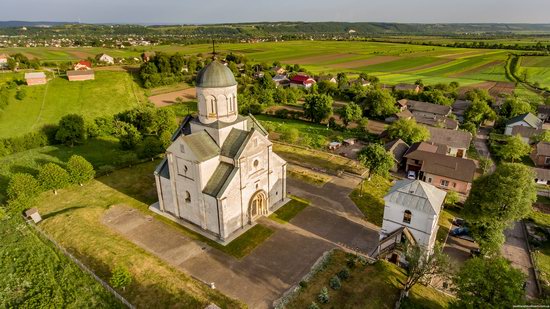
(150, 147)
(79, 169)
(323, 296)
(350, 262)
(303, 284)
(130, 138)
(335, 283)
(313, 305)
(21, 94)
(343, 274)
(120, 278)
(71, 130)
(53, 177)
(290, 135)
(22, 186)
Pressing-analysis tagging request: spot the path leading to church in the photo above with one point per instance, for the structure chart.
(272, 268)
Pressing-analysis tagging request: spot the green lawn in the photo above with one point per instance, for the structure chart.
(109, 93)
(307, 175)
(372, 286)
(542, 253)
(74, 219)
(369, 198)
(104, 153)
(34, 274)
(289, 210)
(536, 68)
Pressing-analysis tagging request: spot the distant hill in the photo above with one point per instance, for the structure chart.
(18, 23)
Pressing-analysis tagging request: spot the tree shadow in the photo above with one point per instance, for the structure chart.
(61, 211)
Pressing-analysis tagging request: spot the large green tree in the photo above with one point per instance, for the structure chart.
(53, 177)
(496, 201)
(408, 130)
(514, 106)
(351, 112)
(380, 103)
(22, 189)
(489, 283)
(79, 169)
(423, 265)
(318, 107)
(514, 149)
(72, 130)
(478, 112)
(376, 159)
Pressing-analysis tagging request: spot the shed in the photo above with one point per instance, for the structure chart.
(33, 215)
(334, 145)
(35, 78)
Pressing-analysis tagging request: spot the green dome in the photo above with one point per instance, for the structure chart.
(215, 75)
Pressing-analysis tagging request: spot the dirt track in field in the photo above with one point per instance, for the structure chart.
(425, 66)
(455, 56)
(495, 88)
(317, 59)
(80, 54)
(169, 98)
(364, 62)
(478, 69)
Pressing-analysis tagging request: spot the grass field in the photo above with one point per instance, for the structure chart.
(536, 68)
(289, 210)
(369, 198)
(109, 93)
(35, 274)
(74, 219)
(392, 62)
(371, 286)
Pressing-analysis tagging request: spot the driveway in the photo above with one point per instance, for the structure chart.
(481, 141)
(515, 250)
(332, 220)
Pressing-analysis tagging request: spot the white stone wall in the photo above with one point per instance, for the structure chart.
(217, 104)
(423, 226)
(219, 135)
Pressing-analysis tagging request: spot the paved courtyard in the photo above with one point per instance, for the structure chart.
(274, 266)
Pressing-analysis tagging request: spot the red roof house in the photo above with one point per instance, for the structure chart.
(83, 65)
(301, 81)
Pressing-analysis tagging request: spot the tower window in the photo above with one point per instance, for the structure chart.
(407, 216)
(256, 163)
(187, 197)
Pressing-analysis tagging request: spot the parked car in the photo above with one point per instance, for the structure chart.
(411, 175)
(460, 231)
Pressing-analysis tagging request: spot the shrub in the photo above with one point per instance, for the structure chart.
(79, 169)
(71, 130)
(130, 138)
(22, 186)
(313, 305)
(350, 262)
(290, 135)
(343, 274)
(303, 284)
(21, 94)
(323, 296)
(335, 283)
(120, 278)
(150, 147)
(53, 177)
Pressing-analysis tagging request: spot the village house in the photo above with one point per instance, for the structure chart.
(281, 80)
(413, 206)
(456, 142)
(328, 78)
(220, 173)
(526, 133)
(542, 175)
(543, 112)
(35, 78)
(459, 108)
(301, 81)
(146, 56)
(407, 87)
(106, 59)
(430, 114)
(80, 75)
(397, 148)
(277, 70)
(83, 65)
(4, 61)
(360, 81)
(541, 155)
(431, 164)
(526, 120)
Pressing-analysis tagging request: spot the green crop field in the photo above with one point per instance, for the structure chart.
(536, 69)
(109, 93)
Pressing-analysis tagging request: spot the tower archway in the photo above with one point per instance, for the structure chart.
(257, 206)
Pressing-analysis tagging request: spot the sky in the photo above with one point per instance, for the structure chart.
(223, 11)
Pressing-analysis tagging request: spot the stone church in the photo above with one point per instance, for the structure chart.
(220, 174)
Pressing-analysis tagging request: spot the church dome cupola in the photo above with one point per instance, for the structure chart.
(215, 75)
(217, 94)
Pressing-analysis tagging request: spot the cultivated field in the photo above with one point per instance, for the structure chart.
(536, 69)
(109, 93)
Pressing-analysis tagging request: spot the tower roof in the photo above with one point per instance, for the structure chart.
(215, 75)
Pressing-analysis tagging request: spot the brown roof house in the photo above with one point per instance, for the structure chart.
(541, 155)
(397, 148)
(407, 87)
(35, 78)
(543, 112)
(456, 142)
(80, 75)
(459, 108)
(542, 175)
(526, 133)
(433, 166)
(430, 114)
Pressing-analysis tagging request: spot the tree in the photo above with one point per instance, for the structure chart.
(380, 103)
(542, 137)
(496, 201)
(478, 112)
(79, 169)
(342, 80)
(489, 283)
(22, 187)
(376, 159)
(363, 125)
(53, 177)
(21, 94)
(317, 107)
(514, 106)
(452, 198)
(351, 112)
(424, 265)
(130, 137)
(408, 130)
(120, 278)
(150, 147)
(72, 129)
(514, 149)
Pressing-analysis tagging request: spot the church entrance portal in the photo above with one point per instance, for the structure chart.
(258, 205)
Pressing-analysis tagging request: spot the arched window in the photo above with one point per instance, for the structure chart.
(407, 216)
(187, 197)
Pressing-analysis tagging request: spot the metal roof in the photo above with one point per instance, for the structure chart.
(219, 179)
(202, 145)
(215, 75)
(528, 118)
(234, 142)
(416, 194)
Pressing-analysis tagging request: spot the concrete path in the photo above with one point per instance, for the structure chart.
(274, 266)
(481, 141)
(515, 250)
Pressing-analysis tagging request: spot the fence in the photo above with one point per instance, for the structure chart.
(81, 265)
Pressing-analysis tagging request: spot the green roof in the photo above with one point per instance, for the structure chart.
(218, 179)
(215, 75)
(233, 142)
(529, 118)
(254, 123)
(202, 145)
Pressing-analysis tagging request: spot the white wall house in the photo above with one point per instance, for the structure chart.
(220, 174)
(415, 205)
(3, 61)
(106, 59)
